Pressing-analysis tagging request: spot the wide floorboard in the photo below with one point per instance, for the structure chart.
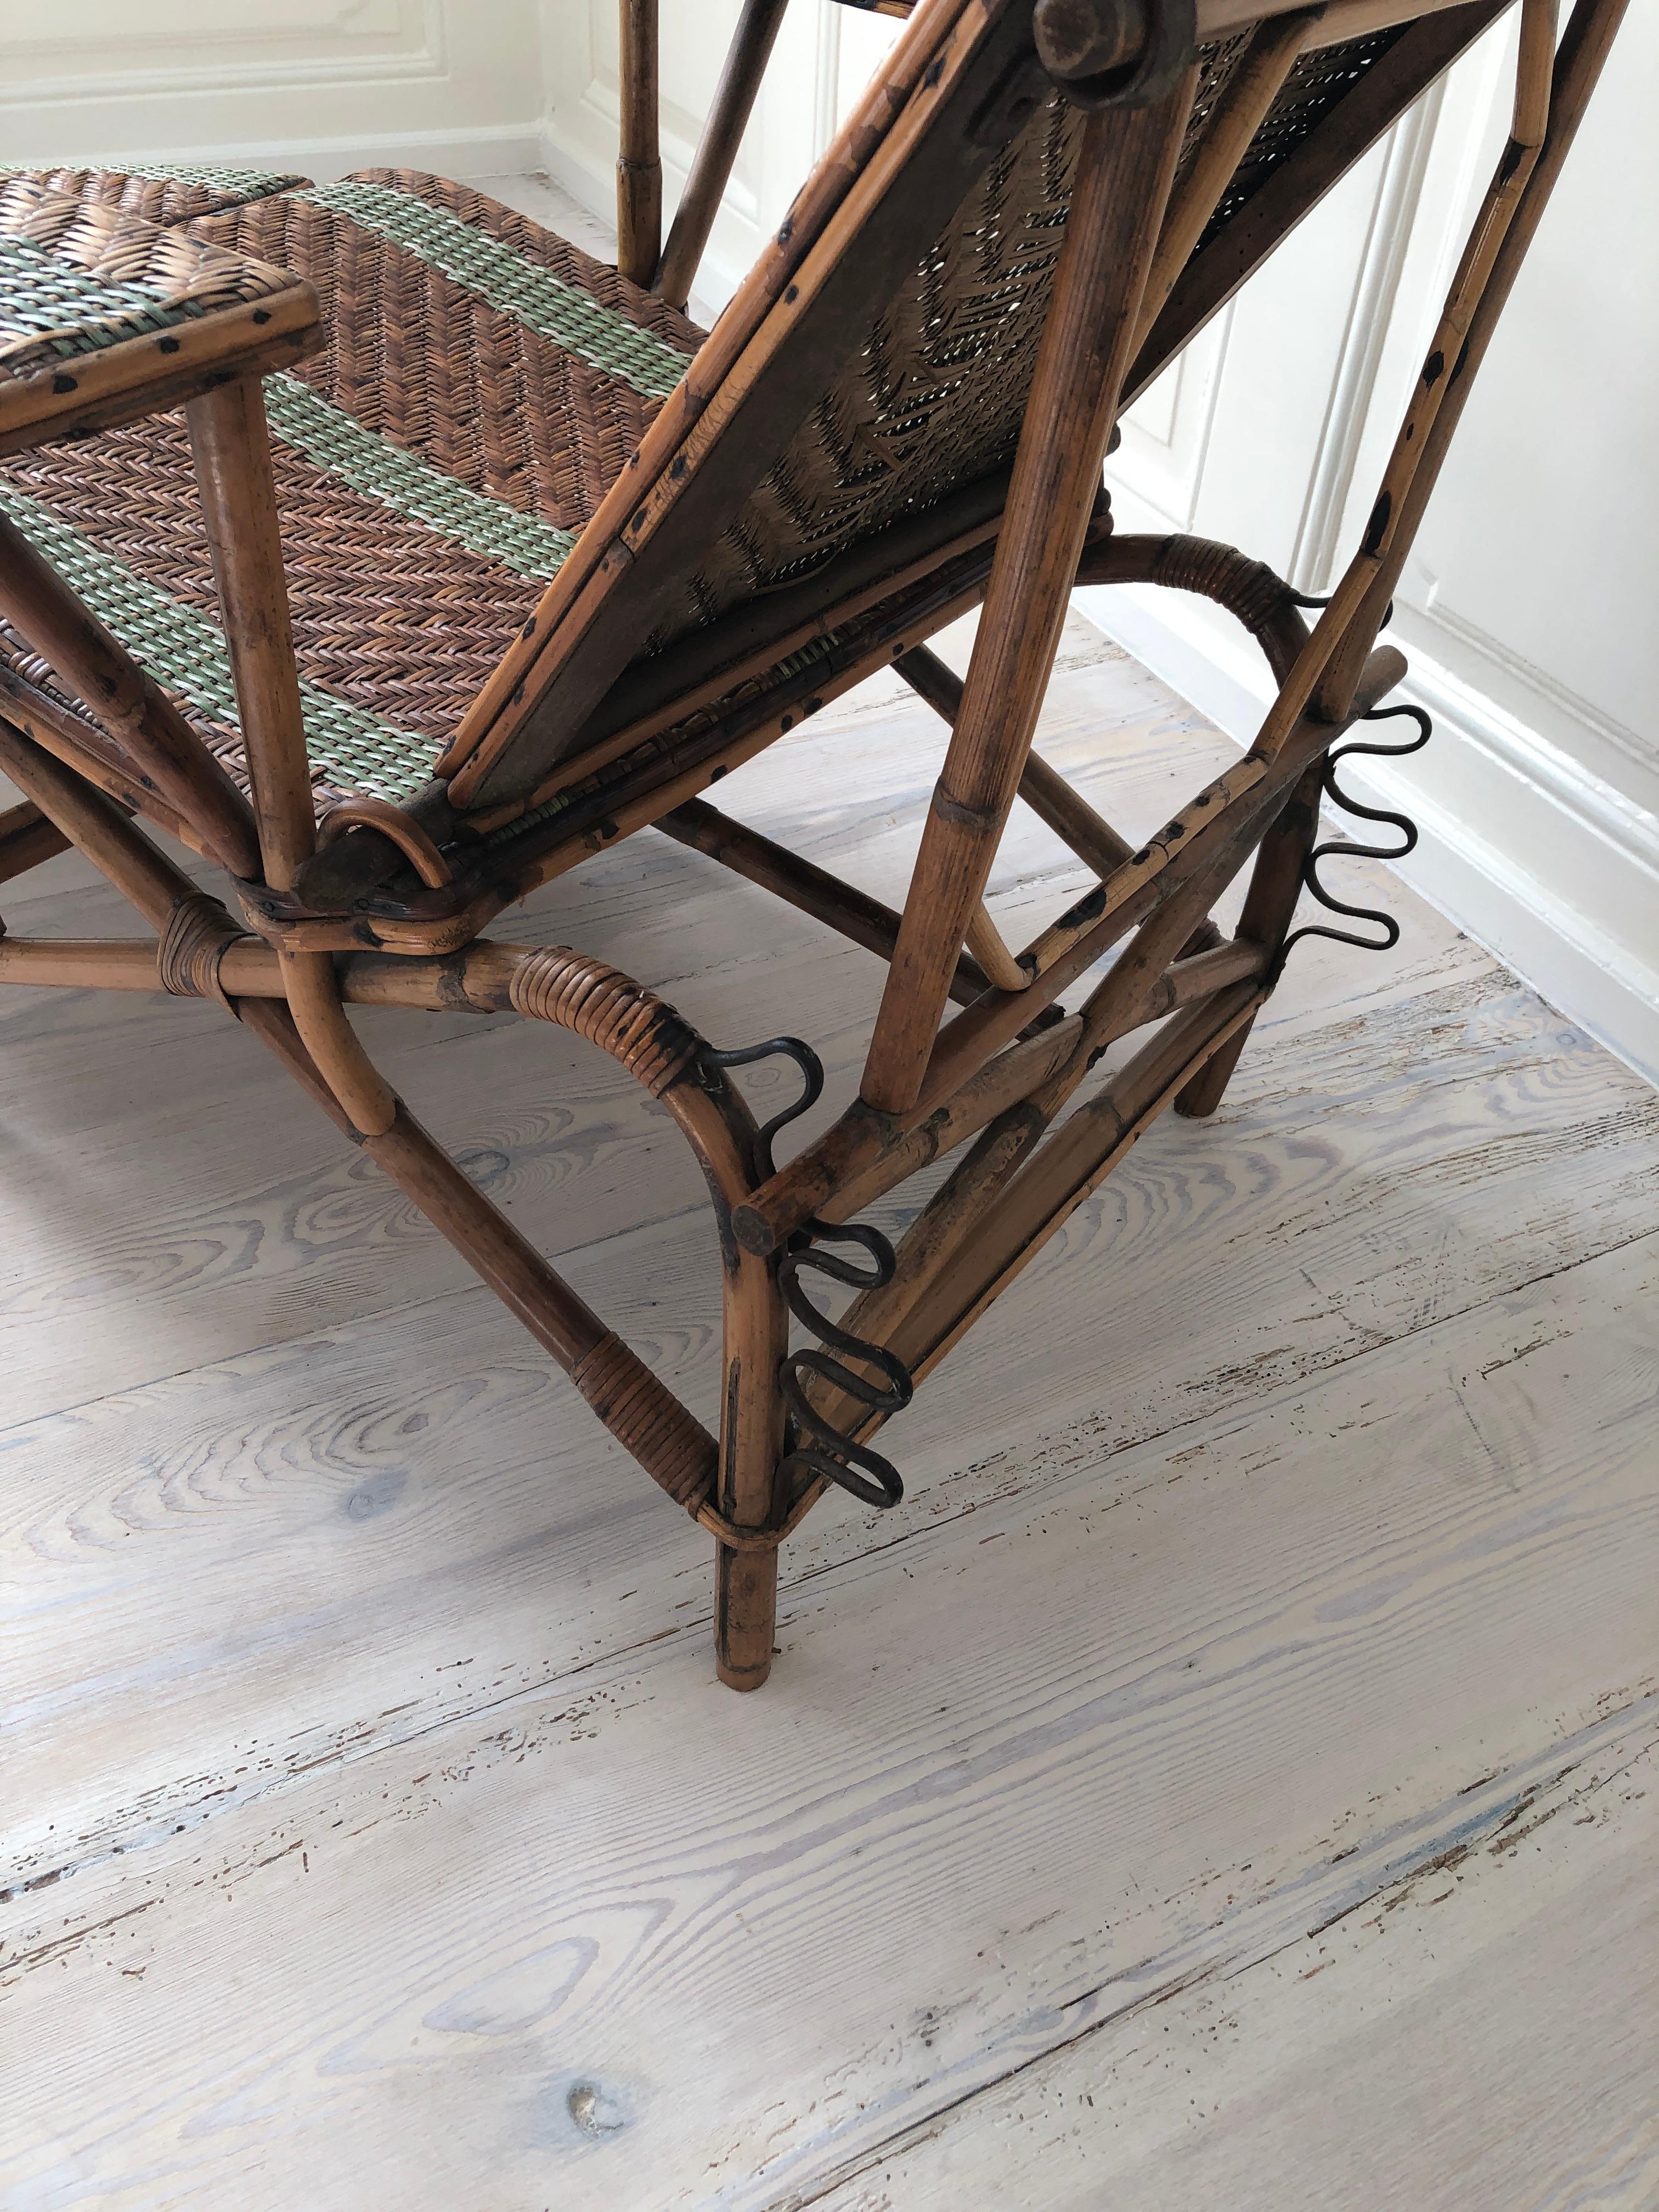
(1228, 1779)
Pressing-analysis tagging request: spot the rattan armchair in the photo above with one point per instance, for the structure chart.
(383, 549)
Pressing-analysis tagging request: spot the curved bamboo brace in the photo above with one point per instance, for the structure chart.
(736, 1488)
(360, 813)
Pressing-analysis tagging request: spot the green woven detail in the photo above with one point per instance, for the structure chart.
(47, 300)
(247, 184)
(570, 316)
(335, 441)
(185, 652)
(533, 820)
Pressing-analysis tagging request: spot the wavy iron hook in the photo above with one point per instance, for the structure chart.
(1389, 816)
(812, 1445)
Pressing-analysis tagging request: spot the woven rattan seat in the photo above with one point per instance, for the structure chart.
(483, 384)
(487, 553)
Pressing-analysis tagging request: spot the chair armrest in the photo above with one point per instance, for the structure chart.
(163, 192)
(104, 318)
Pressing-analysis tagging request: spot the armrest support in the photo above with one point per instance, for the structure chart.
(104, 318)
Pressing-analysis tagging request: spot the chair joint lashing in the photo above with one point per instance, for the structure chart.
(200, 932)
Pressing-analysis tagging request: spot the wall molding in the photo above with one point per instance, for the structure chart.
(1551, 868)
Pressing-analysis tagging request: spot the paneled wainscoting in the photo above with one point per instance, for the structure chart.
(1229, 1779)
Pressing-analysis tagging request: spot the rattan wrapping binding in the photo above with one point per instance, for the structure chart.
(198, 933)
(609, 1009)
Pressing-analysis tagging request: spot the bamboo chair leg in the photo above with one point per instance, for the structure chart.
(1270, 904)
(231, 445)
(97, 827)
(27, 839)
(639, 162)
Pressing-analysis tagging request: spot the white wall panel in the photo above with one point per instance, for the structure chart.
(325, 85)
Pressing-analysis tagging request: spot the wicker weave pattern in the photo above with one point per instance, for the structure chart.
(1316, 82)
(186, 654)
(935, 393)
(433, 465)
(77, 276)
(481, 264)
(339, 444)
(163, 192)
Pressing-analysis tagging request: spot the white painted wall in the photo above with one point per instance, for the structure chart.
(1528, 611)
(321, 85)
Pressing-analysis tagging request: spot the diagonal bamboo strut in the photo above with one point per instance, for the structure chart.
(1124, 171)
(1048, 795)
(1233, 122)
(864, 919)
(717, 149)
(1344, 629)
(985, 945)
(93, 664)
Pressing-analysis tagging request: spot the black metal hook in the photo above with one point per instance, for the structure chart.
(812, 1446)
(1385, 923)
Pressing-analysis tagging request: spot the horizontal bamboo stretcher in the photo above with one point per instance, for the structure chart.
(389, 556)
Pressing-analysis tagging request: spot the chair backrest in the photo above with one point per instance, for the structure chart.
(879, 357)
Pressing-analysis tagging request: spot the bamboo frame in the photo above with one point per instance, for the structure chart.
(717, 149)
(998, 1085)
(639, 159)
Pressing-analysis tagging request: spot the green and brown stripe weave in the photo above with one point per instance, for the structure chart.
(483, 383)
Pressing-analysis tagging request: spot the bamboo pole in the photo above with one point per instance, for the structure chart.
(62, 733)
(1329, 665)
(717, 149)
(27, 839)
(864, 919)
(986, 946)
(96, 826)
(1124, 171)
(1233, 122)
(639, 160)
(231, 445)
(1270, 904)
(1048, 795)
(1500, 240)
(1075, 1161)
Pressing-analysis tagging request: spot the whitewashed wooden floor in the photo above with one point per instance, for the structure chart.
(1227, 1781)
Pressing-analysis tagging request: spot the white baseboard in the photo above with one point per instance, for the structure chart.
(471, 150)
(1536, 858)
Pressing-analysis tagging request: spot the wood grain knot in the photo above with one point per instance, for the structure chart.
(608, 1008)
